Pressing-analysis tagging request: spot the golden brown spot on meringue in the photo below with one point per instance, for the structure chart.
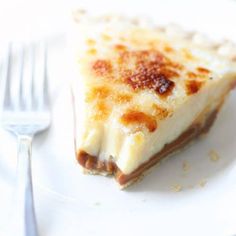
(100, 92)
(152, 70)
(187, 54)
(106, 37)
(90, 42)
(101, 111)
(140, 70)
(192, 75)
(168, 49)
(203, 70)
(134, 117)
(120, 47)
(104, 92)
(193, 86)
(122, 38)
(122, 98)
(102, 67)
(159, 112)
(92, 51)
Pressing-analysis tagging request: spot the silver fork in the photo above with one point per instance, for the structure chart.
(25, 117)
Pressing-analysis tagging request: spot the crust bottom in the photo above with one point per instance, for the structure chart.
(93, 165)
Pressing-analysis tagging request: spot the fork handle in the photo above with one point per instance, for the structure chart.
(24, 212)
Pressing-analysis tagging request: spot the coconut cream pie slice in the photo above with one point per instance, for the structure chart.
(141, 92)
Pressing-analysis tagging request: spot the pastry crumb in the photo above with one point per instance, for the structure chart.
(177, 188)
(97, 203)
(214, 156)
(185, 166)
(202, 182)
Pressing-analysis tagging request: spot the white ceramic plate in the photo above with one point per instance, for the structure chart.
(70, 203)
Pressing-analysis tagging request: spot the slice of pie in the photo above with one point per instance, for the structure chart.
(141, 92)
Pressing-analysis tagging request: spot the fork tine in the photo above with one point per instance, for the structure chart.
(45, 77)
(21, 101)
(7, 77)
(32, 85)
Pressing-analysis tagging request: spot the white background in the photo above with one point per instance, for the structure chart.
(30, 18)
(68, 203)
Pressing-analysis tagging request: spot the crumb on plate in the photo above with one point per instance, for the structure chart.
(97, 203)
(185, 166)
(177, 188)
(202, 182)
(214, 156)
